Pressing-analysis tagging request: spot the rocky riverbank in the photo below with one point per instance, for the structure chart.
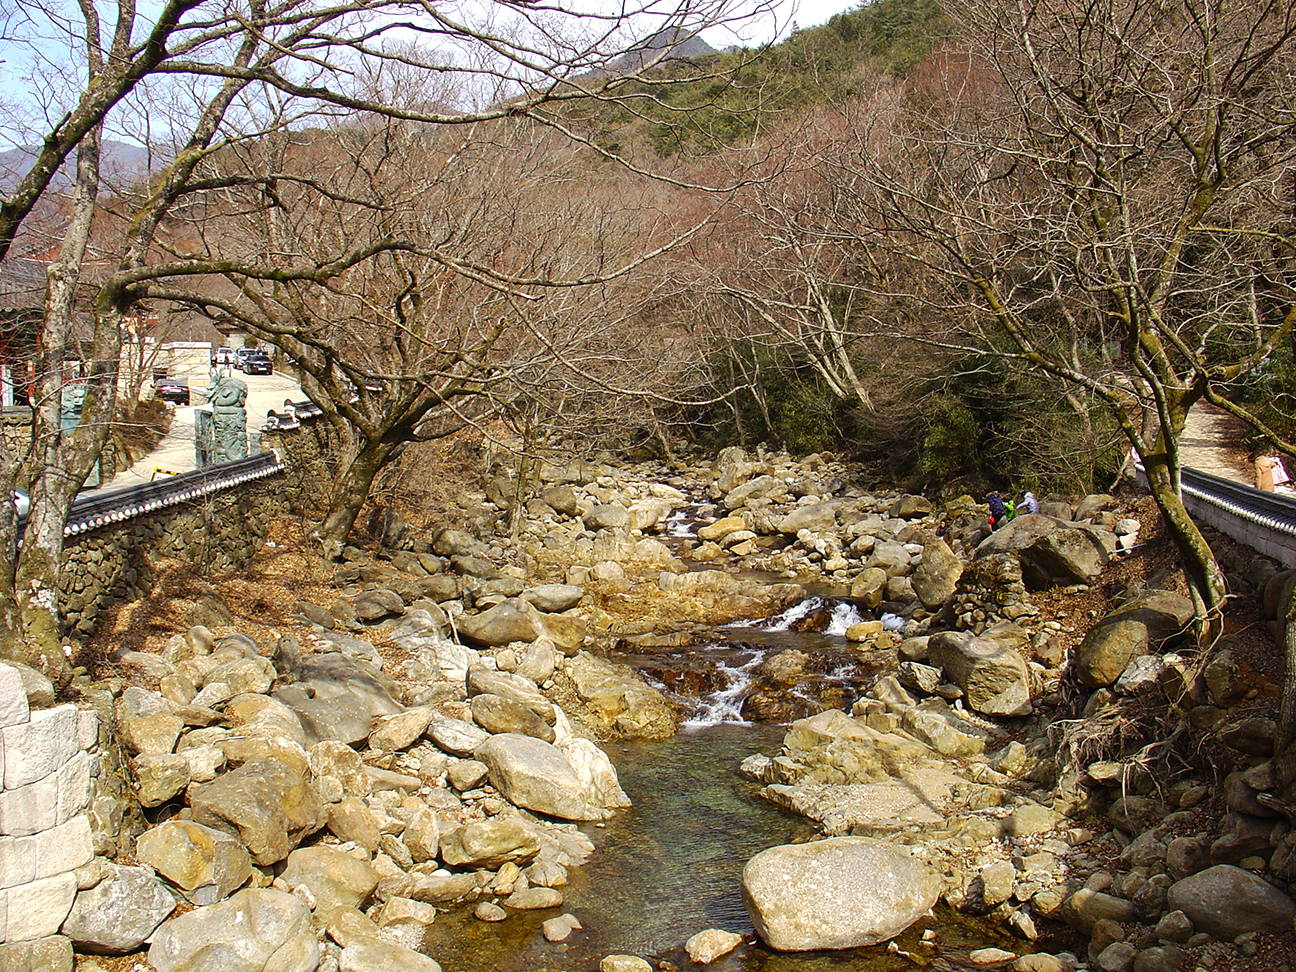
(323, 759)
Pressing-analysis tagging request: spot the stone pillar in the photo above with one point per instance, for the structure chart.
(44, 830)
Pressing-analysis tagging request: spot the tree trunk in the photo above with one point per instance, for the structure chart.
(350, 490)
(1205, 579)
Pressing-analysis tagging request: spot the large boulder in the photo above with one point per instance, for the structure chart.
(1226, 901)
(496, 714)
(334, 878)
(609, 516)
(937, 576)
(1165, 614)
(994, 678)
(120, 913)
(618, 699)
(816, 517)
(454, 736)
(512, 619)
(531, 773)
(206, 864)
(490, 844)
(267, 804)
(338, 697)
(1107, 649)
(1070, 555)
(552, 598)
(507, 685)
(844, 892)
(258, 929)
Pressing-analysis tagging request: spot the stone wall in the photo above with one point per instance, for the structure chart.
(45, 838)
(119, 562)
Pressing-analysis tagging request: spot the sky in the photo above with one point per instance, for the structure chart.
(806, 13)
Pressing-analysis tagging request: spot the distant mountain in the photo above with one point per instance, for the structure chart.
(677, 43)
(119, 161)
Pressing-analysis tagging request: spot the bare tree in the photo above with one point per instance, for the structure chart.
(198, 80)
(1098, 194)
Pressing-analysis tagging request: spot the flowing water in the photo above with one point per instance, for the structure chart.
(669, 867)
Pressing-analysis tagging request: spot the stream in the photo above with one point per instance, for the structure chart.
(671, 865)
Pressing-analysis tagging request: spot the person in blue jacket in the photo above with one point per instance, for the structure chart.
(998, 509)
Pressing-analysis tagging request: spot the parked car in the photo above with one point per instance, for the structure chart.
(253, 361)
(174, 390)
(223, 356)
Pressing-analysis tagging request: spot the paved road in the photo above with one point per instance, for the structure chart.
(175, 453)
(1210, 443)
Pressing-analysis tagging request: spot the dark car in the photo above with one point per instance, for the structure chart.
(253, 361)
(174, 390)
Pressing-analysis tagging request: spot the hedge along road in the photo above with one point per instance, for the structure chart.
(175, 453)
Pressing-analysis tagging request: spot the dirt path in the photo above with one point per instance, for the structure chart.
(1211, 443)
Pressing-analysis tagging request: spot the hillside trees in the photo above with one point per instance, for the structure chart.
(194, 80)
(1097, 194)
(471, 275)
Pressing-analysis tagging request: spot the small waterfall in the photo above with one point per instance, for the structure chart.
(784, 620)
(683, 522)
(843, 616)
(726, 704)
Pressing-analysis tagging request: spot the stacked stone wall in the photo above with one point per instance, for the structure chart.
(119, 561)
(309, 453)
(46, 847)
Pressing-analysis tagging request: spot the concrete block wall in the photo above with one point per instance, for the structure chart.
(45, 770)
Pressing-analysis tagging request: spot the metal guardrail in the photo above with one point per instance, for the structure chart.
(1264, 521)
(101, 508)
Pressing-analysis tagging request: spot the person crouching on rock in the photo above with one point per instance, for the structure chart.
(998, 509)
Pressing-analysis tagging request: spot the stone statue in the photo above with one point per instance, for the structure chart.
(227, 395)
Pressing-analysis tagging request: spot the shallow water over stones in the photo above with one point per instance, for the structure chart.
(669, 867)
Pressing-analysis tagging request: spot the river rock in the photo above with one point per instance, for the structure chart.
(1069, 555)
(351, 819)
(268, 805)
(618, 699)
(607, 516)
(335, 879)
(722, 528)
(1107, 649)
(623, 963)
(869, 587)
(399, 731)
(338, 697)
(160, 776)
(499, 715)
(559, 929)
(367, 955)
(489, 844)
(454, 736)
(206, 864)
(340, 761)
(553, 598)
(843, 892)
(1226, 901)
(531, 773)
(937, 576)
(707, 946)
(816, 517)
(256, 930)
(263, 714)
(509, 685)
(994, 679)
(1165, 614)
(119, 913)
(512, 619)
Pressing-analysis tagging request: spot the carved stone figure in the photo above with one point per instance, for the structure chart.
(227, 395)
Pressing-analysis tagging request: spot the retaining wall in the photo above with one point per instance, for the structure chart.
(45, 834)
